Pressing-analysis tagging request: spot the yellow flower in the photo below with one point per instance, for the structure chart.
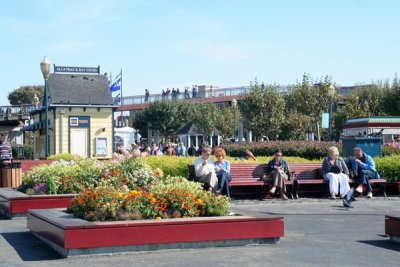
(199, 202)
(158, 218)
(158, 173)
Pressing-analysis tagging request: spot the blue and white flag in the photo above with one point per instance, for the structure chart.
(117, 100)
(116, 86)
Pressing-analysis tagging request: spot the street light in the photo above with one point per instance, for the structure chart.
(331, 92)
(234, 105)
(45, 67)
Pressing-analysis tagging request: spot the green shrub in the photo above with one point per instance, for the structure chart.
(389, 167)
(303, 149)
(390, 151)
(172, 166)
(65, 156)
(28, 151)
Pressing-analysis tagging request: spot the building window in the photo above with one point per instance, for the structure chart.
(73, 121)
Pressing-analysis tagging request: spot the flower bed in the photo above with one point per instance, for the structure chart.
(69, 235)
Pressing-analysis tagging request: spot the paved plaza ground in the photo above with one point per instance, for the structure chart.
(318, 232)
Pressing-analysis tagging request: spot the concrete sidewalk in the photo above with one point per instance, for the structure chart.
(318, 232)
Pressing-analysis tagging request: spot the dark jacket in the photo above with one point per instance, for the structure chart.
(326, 166)
(282, 163)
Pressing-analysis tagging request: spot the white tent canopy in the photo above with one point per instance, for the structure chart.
(125, 136)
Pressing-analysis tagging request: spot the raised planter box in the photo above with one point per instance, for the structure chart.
(14, 203)
(392, 228)
(73, 236)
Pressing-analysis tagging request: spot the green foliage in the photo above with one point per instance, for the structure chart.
(389, 151)
(165, 116)
(25, 94)
(204, 117)
(389, 167)
(224, 120)
(302, 149)
(65, 156)
(28, 151)
(263, 110)
(172, 166)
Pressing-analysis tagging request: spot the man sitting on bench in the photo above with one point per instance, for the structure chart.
(204, 168)
(364, 166)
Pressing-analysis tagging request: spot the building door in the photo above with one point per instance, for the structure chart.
(79, 142)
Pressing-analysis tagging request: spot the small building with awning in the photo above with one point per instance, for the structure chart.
(191, 134)
(388, 126)
(80, 118)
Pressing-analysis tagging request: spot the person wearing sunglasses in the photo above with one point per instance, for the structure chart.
(279, 173)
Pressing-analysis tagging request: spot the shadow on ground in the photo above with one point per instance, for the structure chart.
(29, 248)
(386, 244)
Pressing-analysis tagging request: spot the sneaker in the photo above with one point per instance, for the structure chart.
(346, 204)
(359, 189)
(333, 196)
(369, 195)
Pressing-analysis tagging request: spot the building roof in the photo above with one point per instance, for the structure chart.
(373, 121)
(192, 129)
(79, 89)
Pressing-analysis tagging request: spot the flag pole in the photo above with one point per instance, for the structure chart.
(121, 98)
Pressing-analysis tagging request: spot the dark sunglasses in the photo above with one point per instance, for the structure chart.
(278, 155)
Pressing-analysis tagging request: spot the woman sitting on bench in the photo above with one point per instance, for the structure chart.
(223, 170)
(335, 171)
(279, 170)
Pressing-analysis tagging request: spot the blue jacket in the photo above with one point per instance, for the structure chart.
(369, 164)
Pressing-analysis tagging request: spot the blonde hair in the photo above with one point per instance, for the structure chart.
(206, 150)
(333, 149)
(220, 151)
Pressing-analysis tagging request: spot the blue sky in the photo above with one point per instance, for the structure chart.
(179, 43)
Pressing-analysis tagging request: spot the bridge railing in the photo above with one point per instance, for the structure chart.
(16, 110)
(141, 99)
(208, 93)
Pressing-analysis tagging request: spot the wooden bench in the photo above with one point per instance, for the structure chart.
(306, 178)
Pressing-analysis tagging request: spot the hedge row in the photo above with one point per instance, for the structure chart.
(302, 149)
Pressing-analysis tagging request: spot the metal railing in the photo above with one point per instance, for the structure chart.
(16, 110)
(208, 93)
(141, 99)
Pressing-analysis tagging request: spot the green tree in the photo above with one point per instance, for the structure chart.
(204, 117)
(165, 116)
(25, 94)
(224, 120)
(391, 97)
(309, 99)
(263, 110)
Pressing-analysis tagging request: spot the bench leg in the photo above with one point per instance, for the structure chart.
(383, 188)
(295, 190)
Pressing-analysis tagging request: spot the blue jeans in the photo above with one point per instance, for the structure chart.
(365, 175)
(223, 179)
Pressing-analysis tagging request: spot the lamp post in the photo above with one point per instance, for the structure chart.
(234, 105)
(331, 92)
(45, 67)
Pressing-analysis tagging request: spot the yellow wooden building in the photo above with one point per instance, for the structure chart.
(80, 117)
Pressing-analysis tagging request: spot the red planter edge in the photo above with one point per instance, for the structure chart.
(392, 227)
(73, 236)
(15, 204)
